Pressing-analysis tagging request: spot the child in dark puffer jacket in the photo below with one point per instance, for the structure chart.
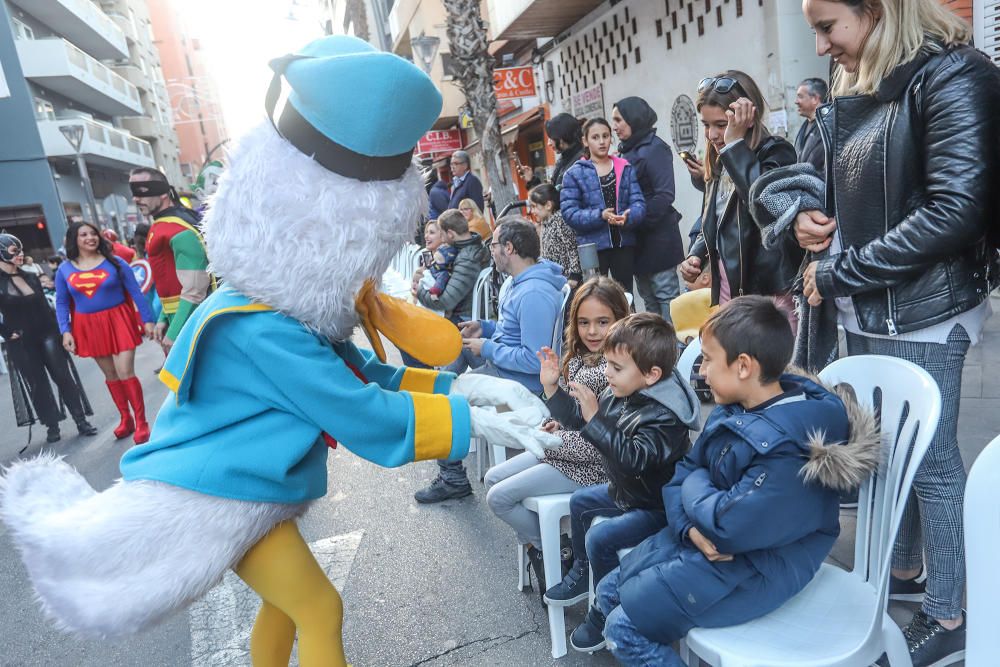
(753, 510)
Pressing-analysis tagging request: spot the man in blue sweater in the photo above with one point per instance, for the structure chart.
(507, 348)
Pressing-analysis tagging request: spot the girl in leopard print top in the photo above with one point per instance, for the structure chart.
(598, 303)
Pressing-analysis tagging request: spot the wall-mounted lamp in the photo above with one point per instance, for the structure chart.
(550, 80)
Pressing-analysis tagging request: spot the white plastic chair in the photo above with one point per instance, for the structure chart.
(550, 509)
(690, 354)
(560, 326)
(481, 295)
(982, 540)
(840, 617)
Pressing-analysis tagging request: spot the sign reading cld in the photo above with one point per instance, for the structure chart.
(514, 82)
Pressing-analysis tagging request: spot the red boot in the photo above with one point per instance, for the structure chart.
(119, 394)
(134, 389)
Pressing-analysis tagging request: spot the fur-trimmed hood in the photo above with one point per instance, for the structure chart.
(843, 466)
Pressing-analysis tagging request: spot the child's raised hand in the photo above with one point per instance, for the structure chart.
(706, 547)
(549, 373)
(586, 398)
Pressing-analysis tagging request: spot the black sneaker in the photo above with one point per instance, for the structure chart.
(930, 644)
(53, 434)
(440, 490)
(575, 587)
(908, 590)
(589, 636)
(536, 566)
(85, 427)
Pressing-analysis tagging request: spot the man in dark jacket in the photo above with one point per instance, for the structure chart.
(464, 184)
(641, 428)
(809, 144)
(439, 197)
(659, 247)
(753, 510)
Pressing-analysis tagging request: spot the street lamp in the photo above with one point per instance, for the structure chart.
(425, 48)
(74, 135)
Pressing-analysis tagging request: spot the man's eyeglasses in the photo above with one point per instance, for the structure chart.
(721, 84)
(494, 243)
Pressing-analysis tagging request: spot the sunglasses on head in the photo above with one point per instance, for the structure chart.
(721, 84)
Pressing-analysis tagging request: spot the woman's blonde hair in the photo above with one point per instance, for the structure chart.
(746, 87)
(900, 30)
(471, 203)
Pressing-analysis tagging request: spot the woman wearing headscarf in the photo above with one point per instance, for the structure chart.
(659, 247)
(35, 347)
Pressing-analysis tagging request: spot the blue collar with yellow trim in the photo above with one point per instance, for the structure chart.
(177, 372)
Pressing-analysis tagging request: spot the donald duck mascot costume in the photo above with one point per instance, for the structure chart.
(264, 378)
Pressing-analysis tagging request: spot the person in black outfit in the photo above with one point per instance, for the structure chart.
(740, 150)
(35, 346)
(566, 138)
(659, 248)
(812, 93)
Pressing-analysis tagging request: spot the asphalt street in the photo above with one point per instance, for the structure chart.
(422, 585)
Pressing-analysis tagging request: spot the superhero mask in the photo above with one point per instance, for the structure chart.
(10, 247)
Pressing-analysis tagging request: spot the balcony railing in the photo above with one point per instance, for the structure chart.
(83, 23)
(64, 68)
(102, 144)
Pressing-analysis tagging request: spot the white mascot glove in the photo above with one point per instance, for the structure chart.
(506, 430)
(484, 390)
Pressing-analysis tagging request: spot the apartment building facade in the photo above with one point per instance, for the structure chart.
(71, 64)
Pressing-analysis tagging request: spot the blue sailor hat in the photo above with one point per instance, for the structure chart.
(356, 110)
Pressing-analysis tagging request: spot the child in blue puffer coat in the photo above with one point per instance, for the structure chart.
(753, 510)
(602, 202)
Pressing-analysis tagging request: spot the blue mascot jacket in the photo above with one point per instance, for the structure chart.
(252, 392)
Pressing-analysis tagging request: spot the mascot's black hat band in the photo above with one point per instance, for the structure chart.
(334, 157)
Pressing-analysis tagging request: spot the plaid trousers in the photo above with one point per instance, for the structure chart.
(932, 523)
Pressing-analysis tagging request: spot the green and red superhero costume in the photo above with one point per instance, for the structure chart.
(176, 253)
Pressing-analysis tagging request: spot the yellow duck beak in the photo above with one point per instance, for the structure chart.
(426, 336)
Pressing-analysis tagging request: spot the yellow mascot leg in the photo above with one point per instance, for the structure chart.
(297, 596)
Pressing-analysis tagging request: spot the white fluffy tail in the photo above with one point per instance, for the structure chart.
(112, 563)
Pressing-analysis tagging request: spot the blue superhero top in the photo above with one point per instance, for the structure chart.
(253, 391)
(96, 289)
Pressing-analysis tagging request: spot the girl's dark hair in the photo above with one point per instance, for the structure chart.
(586, 130)
(592, 122)
(607, 291)
(746, 87)
(757, 327)
(544, 194)
(73, 246)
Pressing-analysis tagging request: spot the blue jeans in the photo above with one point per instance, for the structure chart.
(628, 645)
(600, 544)
(932, 522)
(658, 290)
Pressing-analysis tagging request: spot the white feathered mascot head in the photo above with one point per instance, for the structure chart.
(316, 200)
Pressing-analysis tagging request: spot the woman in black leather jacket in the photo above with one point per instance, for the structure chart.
(35, 346)
(912, 139)
(740, 149)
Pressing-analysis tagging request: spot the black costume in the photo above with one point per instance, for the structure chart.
(34, 346)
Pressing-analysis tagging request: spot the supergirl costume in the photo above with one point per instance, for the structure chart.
(96, 305)
(34, 348)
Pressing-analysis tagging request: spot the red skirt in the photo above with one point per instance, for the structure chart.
(107, 332)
